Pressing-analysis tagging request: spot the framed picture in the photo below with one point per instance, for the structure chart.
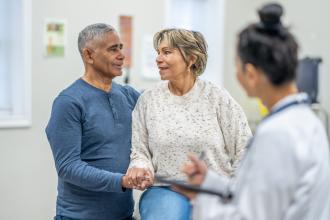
(54, 38)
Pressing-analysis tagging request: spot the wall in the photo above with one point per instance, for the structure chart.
(308, 21)
(28, 178)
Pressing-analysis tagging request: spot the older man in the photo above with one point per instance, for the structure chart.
(89, 132)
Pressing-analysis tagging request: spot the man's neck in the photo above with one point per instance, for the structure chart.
(98, 81)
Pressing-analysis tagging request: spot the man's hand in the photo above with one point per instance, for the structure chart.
(196, 171)
(139, 178)
(125, 183)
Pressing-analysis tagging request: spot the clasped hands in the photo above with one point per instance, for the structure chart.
(140, 178)
(137, 178)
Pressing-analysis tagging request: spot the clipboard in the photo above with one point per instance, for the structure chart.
(193, 188)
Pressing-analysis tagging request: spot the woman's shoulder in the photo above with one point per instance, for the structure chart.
(153, 93)
(214, 91)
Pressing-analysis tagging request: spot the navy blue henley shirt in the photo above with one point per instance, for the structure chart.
(89, 132)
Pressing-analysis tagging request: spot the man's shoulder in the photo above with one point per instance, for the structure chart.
(74, 90)
(131, 94)
(71, 94)
(127, 89)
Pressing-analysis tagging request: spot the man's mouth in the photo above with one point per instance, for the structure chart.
(118, 66)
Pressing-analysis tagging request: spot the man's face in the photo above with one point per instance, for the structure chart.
(107, 55)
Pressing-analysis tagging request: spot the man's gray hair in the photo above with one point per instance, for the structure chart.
(91, 32)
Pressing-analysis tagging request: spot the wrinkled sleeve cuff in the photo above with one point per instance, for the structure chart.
(216, 182)
(118, 182)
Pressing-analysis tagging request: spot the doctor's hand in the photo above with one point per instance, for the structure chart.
(196, 171)
(139, 178)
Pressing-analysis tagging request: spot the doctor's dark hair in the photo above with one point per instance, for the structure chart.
(269, 46)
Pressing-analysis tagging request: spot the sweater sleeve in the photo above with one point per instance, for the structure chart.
(141, 155)
(234, 126)
(64, 133)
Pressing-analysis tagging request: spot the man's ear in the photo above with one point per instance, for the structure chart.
(87, 55)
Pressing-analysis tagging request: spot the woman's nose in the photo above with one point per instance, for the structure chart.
(158, 58)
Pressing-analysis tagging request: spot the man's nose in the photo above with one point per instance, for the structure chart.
(121, 55)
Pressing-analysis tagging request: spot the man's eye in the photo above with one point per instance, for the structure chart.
(113, 49)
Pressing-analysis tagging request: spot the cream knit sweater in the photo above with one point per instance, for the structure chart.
(166, 127)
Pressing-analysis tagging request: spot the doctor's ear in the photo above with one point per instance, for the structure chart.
(252, 74)
(87, 55)
(251, 71)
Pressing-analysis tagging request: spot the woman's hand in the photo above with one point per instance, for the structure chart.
(139, 178)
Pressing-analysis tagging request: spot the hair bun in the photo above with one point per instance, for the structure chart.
(270, 16)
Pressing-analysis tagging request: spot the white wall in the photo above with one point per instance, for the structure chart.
(309, 21)
(28, 177)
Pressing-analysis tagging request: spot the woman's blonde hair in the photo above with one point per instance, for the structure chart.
(189, 43)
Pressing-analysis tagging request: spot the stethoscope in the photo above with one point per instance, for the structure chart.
(301, 101)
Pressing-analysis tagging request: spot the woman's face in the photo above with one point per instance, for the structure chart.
(170, 62)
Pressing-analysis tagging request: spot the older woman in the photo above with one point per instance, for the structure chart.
(183, 114)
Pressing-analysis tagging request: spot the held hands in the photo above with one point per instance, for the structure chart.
(196, 171)
(138, 178)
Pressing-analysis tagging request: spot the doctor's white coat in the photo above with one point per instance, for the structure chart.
(285, 174)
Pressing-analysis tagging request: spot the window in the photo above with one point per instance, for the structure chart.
(206, 16)
(15, 56)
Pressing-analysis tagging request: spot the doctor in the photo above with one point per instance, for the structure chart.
(286, 172)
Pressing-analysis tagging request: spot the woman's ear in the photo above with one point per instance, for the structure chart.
(87, 55)
(192, 60)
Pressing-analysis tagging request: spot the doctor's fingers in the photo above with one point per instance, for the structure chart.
(199, 164)
(189, 168)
